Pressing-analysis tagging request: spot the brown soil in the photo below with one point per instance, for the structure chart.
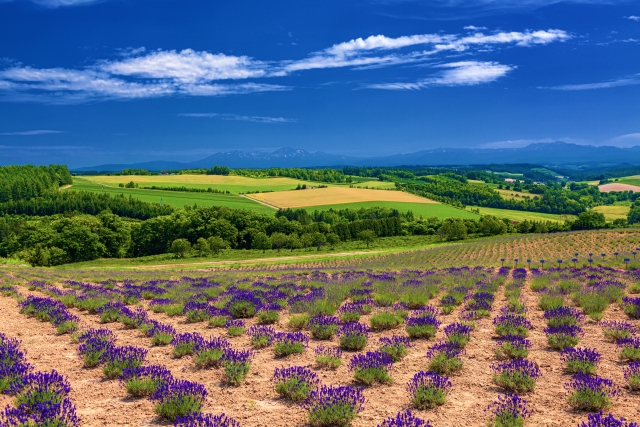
(618, 187)
(102, 403)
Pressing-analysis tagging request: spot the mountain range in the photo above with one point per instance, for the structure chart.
(548, 154)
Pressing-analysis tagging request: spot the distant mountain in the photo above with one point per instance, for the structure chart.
(551, 154)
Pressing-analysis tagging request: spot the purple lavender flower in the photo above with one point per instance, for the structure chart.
(508, 408)
(517, 375)
(630, 348)
(512, 324)
(404, 419)
(422, 327)
(428, 389)
(144, 380)
(563, 316)
(353, 336)
(599, 420)
(208, 420)
(179, 398)
(261, 335)
(334, 405)
(236, 365)
(118, 358)
(591, 393)
(295, 382)
(613, 330)
(631, 306)
(328, 357)
(632, 375)
(323, 327)
(583, 360)
(513, 346)
(563, 336)
(43, 414)
(458, 334)
(186, 343)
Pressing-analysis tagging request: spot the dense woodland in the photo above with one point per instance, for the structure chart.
(46, 226)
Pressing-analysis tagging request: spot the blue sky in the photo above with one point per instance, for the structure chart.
(87, 82)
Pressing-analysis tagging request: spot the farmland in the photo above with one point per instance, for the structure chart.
(425, 210)
(522, 215)
(612, 212)
(153, 312)
(330, 196)
(176, 199)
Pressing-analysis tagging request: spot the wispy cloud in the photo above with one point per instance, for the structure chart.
(59, 3)
(519, 143)
(628, 140)
(633, 17)
(464, 73)
(43, 147)
(139, 74)
(625, 81)
(32, 133)
(474, 28)
(254, 119)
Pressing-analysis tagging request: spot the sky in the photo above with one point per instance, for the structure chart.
(89, 82)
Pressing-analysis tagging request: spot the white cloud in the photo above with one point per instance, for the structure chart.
(464, 73)
(187, 66)
(633, 18)
(474, 28)
(628, 140)
(519, 143)
(32, 133)
(59, 3)
(254, 119)
(626, 81)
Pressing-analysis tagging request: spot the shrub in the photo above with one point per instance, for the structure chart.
(206, 420)
(144, 380)
(328, 357)
(404, 419)
(583, 360)
(334, 406)
(631, 307)
(632, 375)
(186, 344)
(298, 322)
(444, 358)
(237, 364)
(428, 390)
(295, 383)
(51, 414)
(384, 321)
(512, 324)
(518, 375)
(561, 316)
(94, 343)
(179, 398)
(563, 336)
(371, 367)
(323, 327)
(599, 420)
(550, 301)
(40, 388)
(116, 359)
(209, 353)
(395, 346)
(110, 312)
(288, 343)
(235, 327)
(261, 336)
(614, 330)
(513, 347)
(422, 327)
(508, 411)
(458, 334)
(591, 393)
(353, 336)
(268, 317)
(161, 334)
(630, 348)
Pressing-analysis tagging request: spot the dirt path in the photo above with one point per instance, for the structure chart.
(259, 201)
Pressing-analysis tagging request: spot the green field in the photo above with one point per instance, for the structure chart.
(522, 215)
(176, 199)
(612, 212)
(425, 210)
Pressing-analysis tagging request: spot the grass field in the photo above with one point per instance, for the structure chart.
(510, 194)
(333, 196)
(612, 212)
(385, 185)
(176, 199)
(522, 215)
(425, 210)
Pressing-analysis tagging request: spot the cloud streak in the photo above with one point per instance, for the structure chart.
(32, 133)
(235, 117)
(625, 81)
(163, 73)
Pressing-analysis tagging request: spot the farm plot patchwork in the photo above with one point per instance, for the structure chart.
(425, 210)
(522, 215)
(334, 196)
(279, 351)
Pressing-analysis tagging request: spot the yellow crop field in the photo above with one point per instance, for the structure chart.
(334, 196)
(613, 212)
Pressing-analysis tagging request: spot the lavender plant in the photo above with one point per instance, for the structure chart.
(94, 343)
(235, 327)
(385, 320)
(179, 398)
(630, 348)
(512, 347)
(583, 360)
(144, 380)
(591, 393)
(563, 316)
(323, 327)
(563, 336)
(395, 346)
(600, 420)
(295, 383)
(40, 388)
(518, 375)
(404, 419)
(210, 352)
(458, 334)
(509, 410)
(116, 359)
(444, 358)
(422, 327)
(48, 414)
(334, 406)
(614, 330)
(288, 343)
(186, 344)
(298, 322)
(631, 307)
(328, 357)
(161, 334)
(13, 363)
(261, 336)
(353, 336)
(632, 375)
(371, 367)
(512, 324)
(205, 420)
(428, 390)
(268, 317)
(110, 312)
(237, 364)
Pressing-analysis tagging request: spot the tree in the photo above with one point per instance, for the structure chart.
(202, 247)
(39, 257)
(180, 248)
(217, 244)
(319, 240)
(261, 241)
(294, 243)
(367, 236)
(633, 216)
(452, 229)
(333, 239)
(490, 226)
(589, 220)
(307, 240)
(279, 240)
